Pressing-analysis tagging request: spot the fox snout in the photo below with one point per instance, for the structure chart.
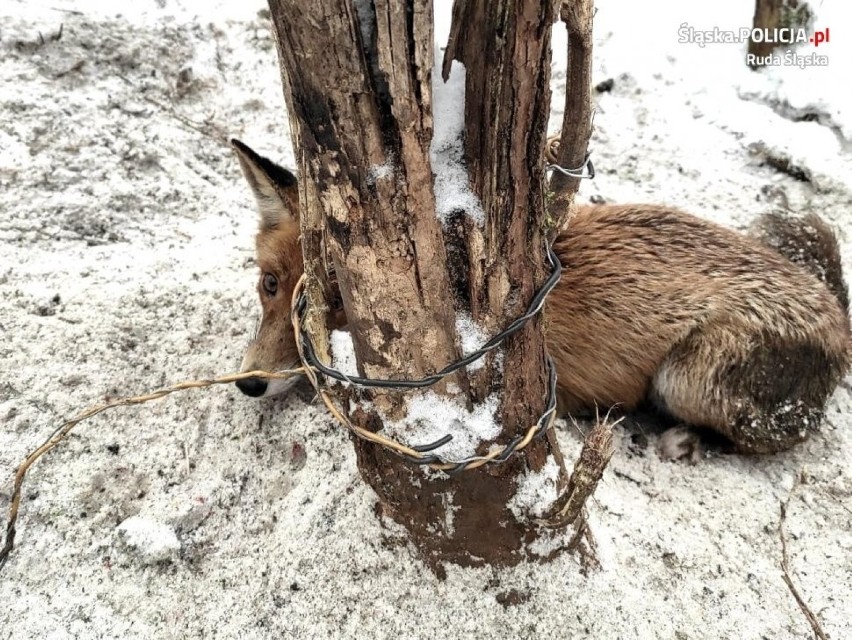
(256, 387)
(274, 349)
(253, 387)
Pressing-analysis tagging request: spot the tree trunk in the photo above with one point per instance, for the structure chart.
(357, 81)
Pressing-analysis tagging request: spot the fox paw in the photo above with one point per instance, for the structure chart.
(680, 443)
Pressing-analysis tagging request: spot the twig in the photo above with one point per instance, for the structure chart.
(785, 568)
(839, 502)
(596, 453)
(77, 66)
(73, 12)
(583, 542)
(206, 129)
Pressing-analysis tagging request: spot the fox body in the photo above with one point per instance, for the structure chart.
(744, 334)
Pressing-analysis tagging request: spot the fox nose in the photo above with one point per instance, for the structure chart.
(254, 387)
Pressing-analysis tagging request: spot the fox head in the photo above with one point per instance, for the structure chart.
(279, 256)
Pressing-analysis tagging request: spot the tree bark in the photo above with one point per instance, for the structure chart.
(357, 82)
(577, 121)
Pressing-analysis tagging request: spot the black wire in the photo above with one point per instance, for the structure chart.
(510, 448)
(534, 307)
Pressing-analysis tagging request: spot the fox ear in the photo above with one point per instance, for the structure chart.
(275, 189)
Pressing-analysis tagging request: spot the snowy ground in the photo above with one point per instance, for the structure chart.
(126, 264)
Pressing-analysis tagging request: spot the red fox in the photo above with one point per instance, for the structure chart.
(747, 335)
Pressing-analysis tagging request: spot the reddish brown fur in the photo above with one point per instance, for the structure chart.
(655, 302)
(716, 328)
(280, 254)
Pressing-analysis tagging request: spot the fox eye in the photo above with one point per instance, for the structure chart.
(270, 284)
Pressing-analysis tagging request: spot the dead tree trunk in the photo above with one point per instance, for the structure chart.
(357, 81)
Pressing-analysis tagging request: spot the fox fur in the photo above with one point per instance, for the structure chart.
(745, 334)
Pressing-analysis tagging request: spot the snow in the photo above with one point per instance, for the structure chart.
(550, 541)
(154, 541)
(821, 89)
(380, 172)
(536, 491)
(430, 417)
(137, 217)
(449, 520)
(452, 183)
(472, 337)
(716, 92)
(343, 352)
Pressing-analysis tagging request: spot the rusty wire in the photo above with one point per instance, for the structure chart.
(62, 431)
(424, 454)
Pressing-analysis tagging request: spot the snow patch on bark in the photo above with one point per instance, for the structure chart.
(366, 22)
(343, 352)
(449, 522)
(472, 337)
(536, 491)
(430, 417)
(452, 184)
(548, 542)
(380, 172)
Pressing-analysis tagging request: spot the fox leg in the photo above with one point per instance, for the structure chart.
(763, 392)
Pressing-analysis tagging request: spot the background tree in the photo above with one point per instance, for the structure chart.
(357, 80)
(776, 14)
